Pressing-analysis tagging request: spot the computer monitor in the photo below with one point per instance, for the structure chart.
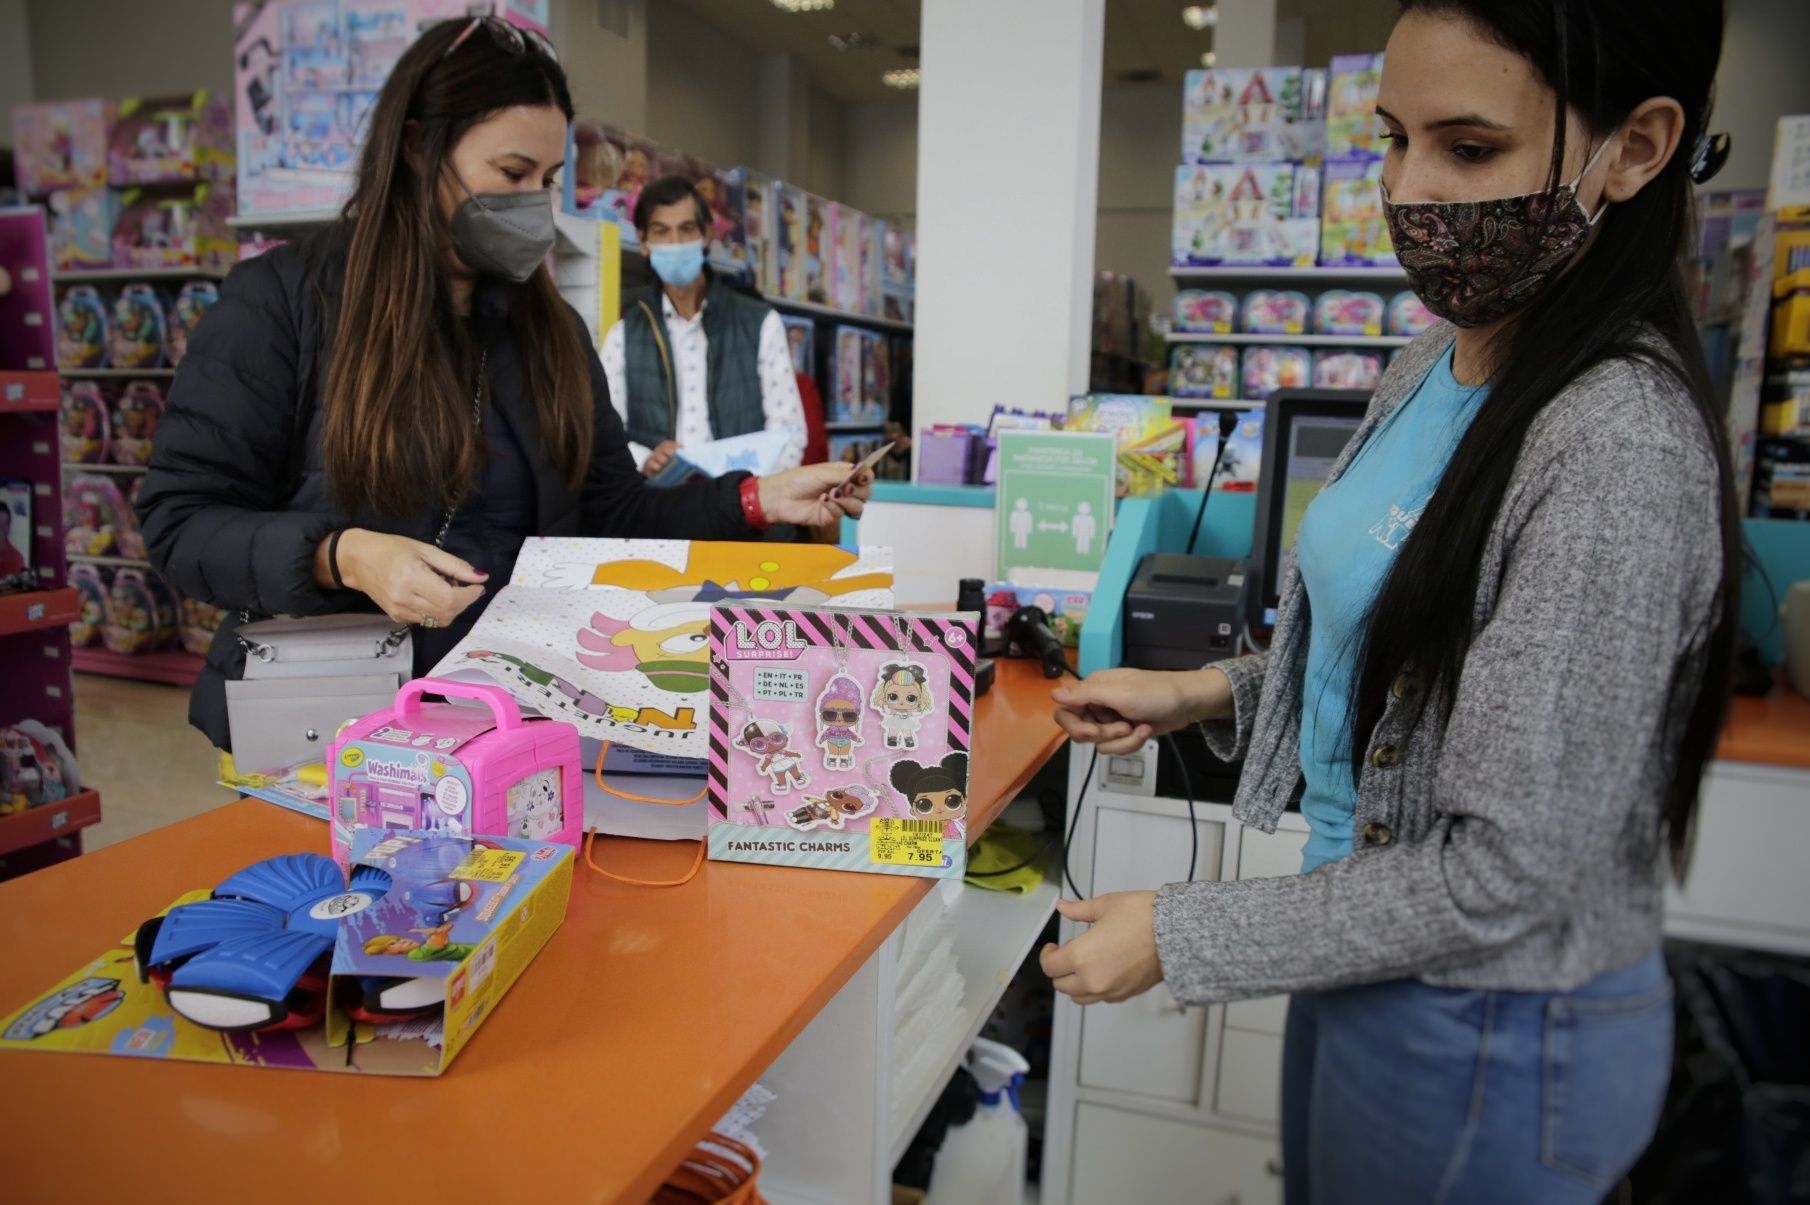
(1304, 431)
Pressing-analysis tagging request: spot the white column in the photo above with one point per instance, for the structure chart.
(603, 44)
(785, 118)
(1246, 34)
(1008, 164)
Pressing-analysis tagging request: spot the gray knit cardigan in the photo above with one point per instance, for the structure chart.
(1517, 846)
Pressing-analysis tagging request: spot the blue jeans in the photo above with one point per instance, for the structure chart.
(1406, 1093)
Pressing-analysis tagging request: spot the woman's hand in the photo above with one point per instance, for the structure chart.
(815, 494)
(1115, 957)
(659, 458)
(412, 582)
(1120, 709)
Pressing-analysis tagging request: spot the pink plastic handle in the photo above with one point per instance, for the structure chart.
(502, 704)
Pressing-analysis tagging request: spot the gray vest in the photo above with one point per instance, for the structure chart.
(732, 325)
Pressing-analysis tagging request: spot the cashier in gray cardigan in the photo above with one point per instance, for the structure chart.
(1501, 655)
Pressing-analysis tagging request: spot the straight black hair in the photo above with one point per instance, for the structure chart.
(670, 190)
(1601, 58)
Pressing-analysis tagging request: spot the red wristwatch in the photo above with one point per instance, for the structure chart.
(751, 508)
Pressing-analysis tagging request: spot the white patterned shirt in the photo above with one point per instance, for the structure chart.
(691, 363)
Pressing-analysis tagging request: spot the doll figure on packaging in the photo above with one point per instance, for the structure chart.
(938, 792)
(839, 722)
(770, 745)
(138, 327)
(902, 698)
(81, 329)
(135, 419)
(834, 808)
(195, 299)
(85, 424)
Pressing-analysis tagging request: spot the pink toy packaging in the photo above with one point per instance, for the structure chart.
(456, 770)
(1275, 312)
(92, 583)
(196, 623)
(136, 338)
(816, 249)
(171, 139)
(135, 419)
(1198, 371)
(1205, 311)
(141, 614)
(1343, 312)
(62, 144)
(195, 299)
(82, 328)
(1352, 128)
(185, 228)
(839, 738)
(81, 228)
(94, 512)
(86, 426)
(1267, 369)
(1353, 231)
(1347, 370)
(1409, 315)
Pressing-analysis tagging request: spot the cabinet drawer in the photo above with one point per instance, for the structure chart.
(1250, 1076)
(1120, 1157)
(1268, 855)
(1267, 1015)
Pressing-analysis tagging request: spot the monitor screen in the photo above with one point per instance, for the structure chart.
(1304, 433)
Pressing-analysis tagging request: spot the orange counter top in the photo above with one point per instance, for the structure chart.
(1773, 730)
(644, 1019)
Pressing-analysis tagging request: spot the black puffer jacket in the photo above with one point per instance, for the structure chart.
(235, 503)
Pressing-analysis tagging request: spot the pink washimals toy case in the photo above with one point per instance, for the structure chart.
(839, 738)
(458, 770)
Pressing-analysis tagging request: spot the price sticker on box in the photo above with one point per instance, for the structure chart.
(906, 842)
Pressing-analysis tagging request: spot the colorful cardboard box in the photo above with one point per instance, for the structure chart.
(1252, 115)
(81, 227)
(1353, 231)
(1240, 214)
(61, 144)
(1352, 127)
(176, 228)
(171, 139)
(496, 902)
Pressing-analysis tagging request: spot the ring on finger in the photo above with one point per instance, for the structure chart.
(428, 621)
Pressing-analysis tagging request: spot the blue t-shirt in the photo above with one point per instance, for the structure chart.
(1347, 539)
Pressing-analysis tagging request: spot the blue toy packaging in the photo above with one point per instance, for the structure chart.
(1408, 314)
(290, 963)
(1344, 312)
(1200, 370)
(86, 424)
(81, 228)
(1275, 312)
(196, 299)
(801, 342)
(137, 336)
(1204, 311)
(82, 328)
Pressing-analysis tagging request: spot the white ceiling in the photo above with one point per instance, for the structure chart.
(1141, 36)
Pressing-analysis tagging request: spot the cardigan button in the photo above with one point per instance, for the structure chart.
(1377, 834)
(1385, 757)
(1403, 686)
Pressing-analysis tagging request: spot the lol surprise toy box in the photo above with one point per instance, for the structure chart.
(62, 144)
(1353, 230)
(1352, 129)
(839, 739)
(81, 227)
(462, 771)
(171, 139)
(1196, 370)
(292, 963)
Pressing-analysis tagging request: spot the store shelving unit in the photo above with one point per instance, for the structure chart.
(127, 470)
(787, 305)
(172, 668)
(1316, 275)
(34, 624)
(109, 275)
(282, 221)
(116, 374)
(1294, 340)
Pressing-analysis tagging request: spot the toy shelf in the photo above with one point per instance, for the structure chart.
(1298, 340)
(1316, 273)
(280, 221)
(853, 426)
(116, 374)
(39, 609)
(112, 562)
(76, 276)
(787, 305)
(29, 393)
(173, 668)
(35, 826)
(127, 469)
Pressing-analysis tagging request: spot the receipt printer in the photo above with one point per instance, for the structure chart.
(1183, 612)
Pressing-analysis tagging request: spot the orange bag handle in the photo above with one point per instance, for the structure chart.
(590, 835)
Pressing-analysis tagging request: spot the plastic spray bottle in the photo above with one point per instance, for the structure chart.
(983, 1162)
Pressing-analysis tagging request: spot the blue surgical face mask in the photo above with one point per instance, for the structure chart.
(677, 263)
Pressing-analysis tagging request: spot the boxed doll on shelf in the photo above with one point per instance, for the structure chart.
(83, 322)
(1204, 311)
(1353, 231)
(92, 583)
(951, 454)
(1267, 369)
(138, 335)
(36, 767)
(801, 342)
(161, 228)
(1408, 314)
(816, 249)
(81, 228)
(789, 233)
(1202, 370)
(16, 572)
(1348, 312)
(1275, 312)
(169, 139)
(846, 285)
(86, 424)
(839, 738)
(861, 377)
(727, 245)
(1352, 128)
(1343, 369)
(1240, 214)
(61, 144)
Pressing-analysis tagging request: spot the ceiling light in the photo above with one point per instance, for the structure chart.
(901, 77)
(1199, 16)
(1209, 59)
(803, 6)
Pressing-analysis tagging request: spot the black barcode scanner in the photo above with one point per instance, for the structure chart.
(1028, 634)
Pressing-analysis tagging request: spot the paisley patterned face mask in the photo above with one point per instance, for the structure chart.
(1473, 262)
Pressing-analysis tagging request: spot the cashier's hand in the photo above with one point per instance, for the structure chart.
(1120, 709)
(815, 494)
(659, 458)
(412, 582)
(1115, 957)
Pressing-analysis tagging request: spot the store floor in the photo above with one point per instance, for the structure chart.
(136, 748)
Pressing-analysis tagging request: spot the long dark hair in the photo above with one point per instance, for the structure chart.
(397, 434)
(1601, 58)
